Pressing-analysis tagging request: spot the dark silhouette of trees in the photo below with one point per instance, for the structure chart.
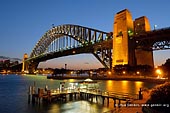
(166, 68)
(160, 98)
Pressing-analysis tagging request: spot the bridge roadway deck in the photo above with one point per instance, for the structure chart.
(83, 94)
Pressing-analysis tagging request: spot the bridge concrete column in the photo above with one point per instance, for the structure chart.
(122, 46)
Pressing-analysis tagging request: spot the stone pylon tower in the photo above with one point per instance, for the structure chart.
(24, 66)
(124, 51)
(143, 57)
(122, 29)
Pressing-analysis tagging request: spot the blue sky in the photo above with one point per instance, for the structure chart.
(23, 22)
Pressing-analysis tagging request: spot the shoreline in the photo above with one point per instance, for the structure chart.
(154, 80)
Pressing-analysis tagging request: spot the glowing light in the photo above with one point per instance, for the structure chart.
(71, 80)
(137, 72)
(74, 52)
(124, 72)
(109, 72)
(26, 71)
(91, 72)
(129, 31)
(155, 27)
(158, 71)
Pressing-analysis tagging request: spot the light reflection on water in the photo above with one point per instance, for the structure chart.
(124, 86)
(14, 88)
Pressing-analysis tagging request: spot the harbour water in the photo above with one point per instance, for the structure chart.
(14, 94)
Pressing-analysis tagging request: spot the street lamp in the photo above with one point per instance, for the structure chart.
(109, 72)
(124, 72)
(155, 27)
(137, 72)
(159, 73)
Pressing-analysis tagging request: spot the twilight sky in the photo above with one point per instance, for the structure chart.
(23, 22)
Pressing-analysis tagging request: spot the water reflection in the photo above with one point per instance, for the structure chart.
(14, 89)
(78, 106)
(139, 84)
(54, 108)
(109, 85)
(123, 86)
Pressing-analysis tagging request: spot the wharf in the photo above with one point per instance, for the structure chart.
(92, 95)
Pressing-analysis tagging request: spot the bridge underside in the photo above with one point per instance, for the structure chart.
(101, 51)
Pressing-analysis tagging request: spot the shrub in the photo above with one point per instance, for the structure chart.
(160, 98)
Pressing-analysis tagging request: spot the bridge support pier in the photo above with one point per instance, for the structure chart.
(107, 101)
(114, 102)
(119, 103)
(103, 98)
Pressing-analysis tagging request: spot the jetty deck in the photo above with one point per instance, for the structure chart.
(82, 94)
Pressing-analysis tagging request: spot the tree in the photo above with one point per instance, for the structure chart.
(166, 68)
(160, 98)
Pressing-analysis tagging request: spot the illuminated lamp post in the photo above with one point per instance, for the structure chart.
(137, 72)
(159, 73)
(155, 27)
(124, 72)
(109, 73)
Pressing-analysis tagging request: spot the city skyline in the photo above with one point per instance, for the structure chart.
(24, 22)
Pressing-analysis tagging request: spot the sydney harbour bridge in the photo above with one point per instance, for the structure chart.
(130, 43)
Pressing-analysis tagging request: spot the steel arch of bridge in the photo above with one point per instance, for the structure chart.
(64, 39)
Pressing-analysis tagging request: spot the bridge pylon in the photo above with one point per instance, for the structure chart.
(143, 57)
(24, 64)
(125, 50)
(122, 44)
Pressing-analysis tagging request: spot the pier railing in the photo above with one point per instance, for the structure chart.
(128, 97)
(121, 95)
(112, 94)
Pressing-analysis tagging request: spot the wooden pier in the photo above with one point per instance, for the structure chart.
(81, 94)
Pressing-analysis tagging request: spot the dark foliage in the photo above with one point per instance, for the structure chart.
(160, 98)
